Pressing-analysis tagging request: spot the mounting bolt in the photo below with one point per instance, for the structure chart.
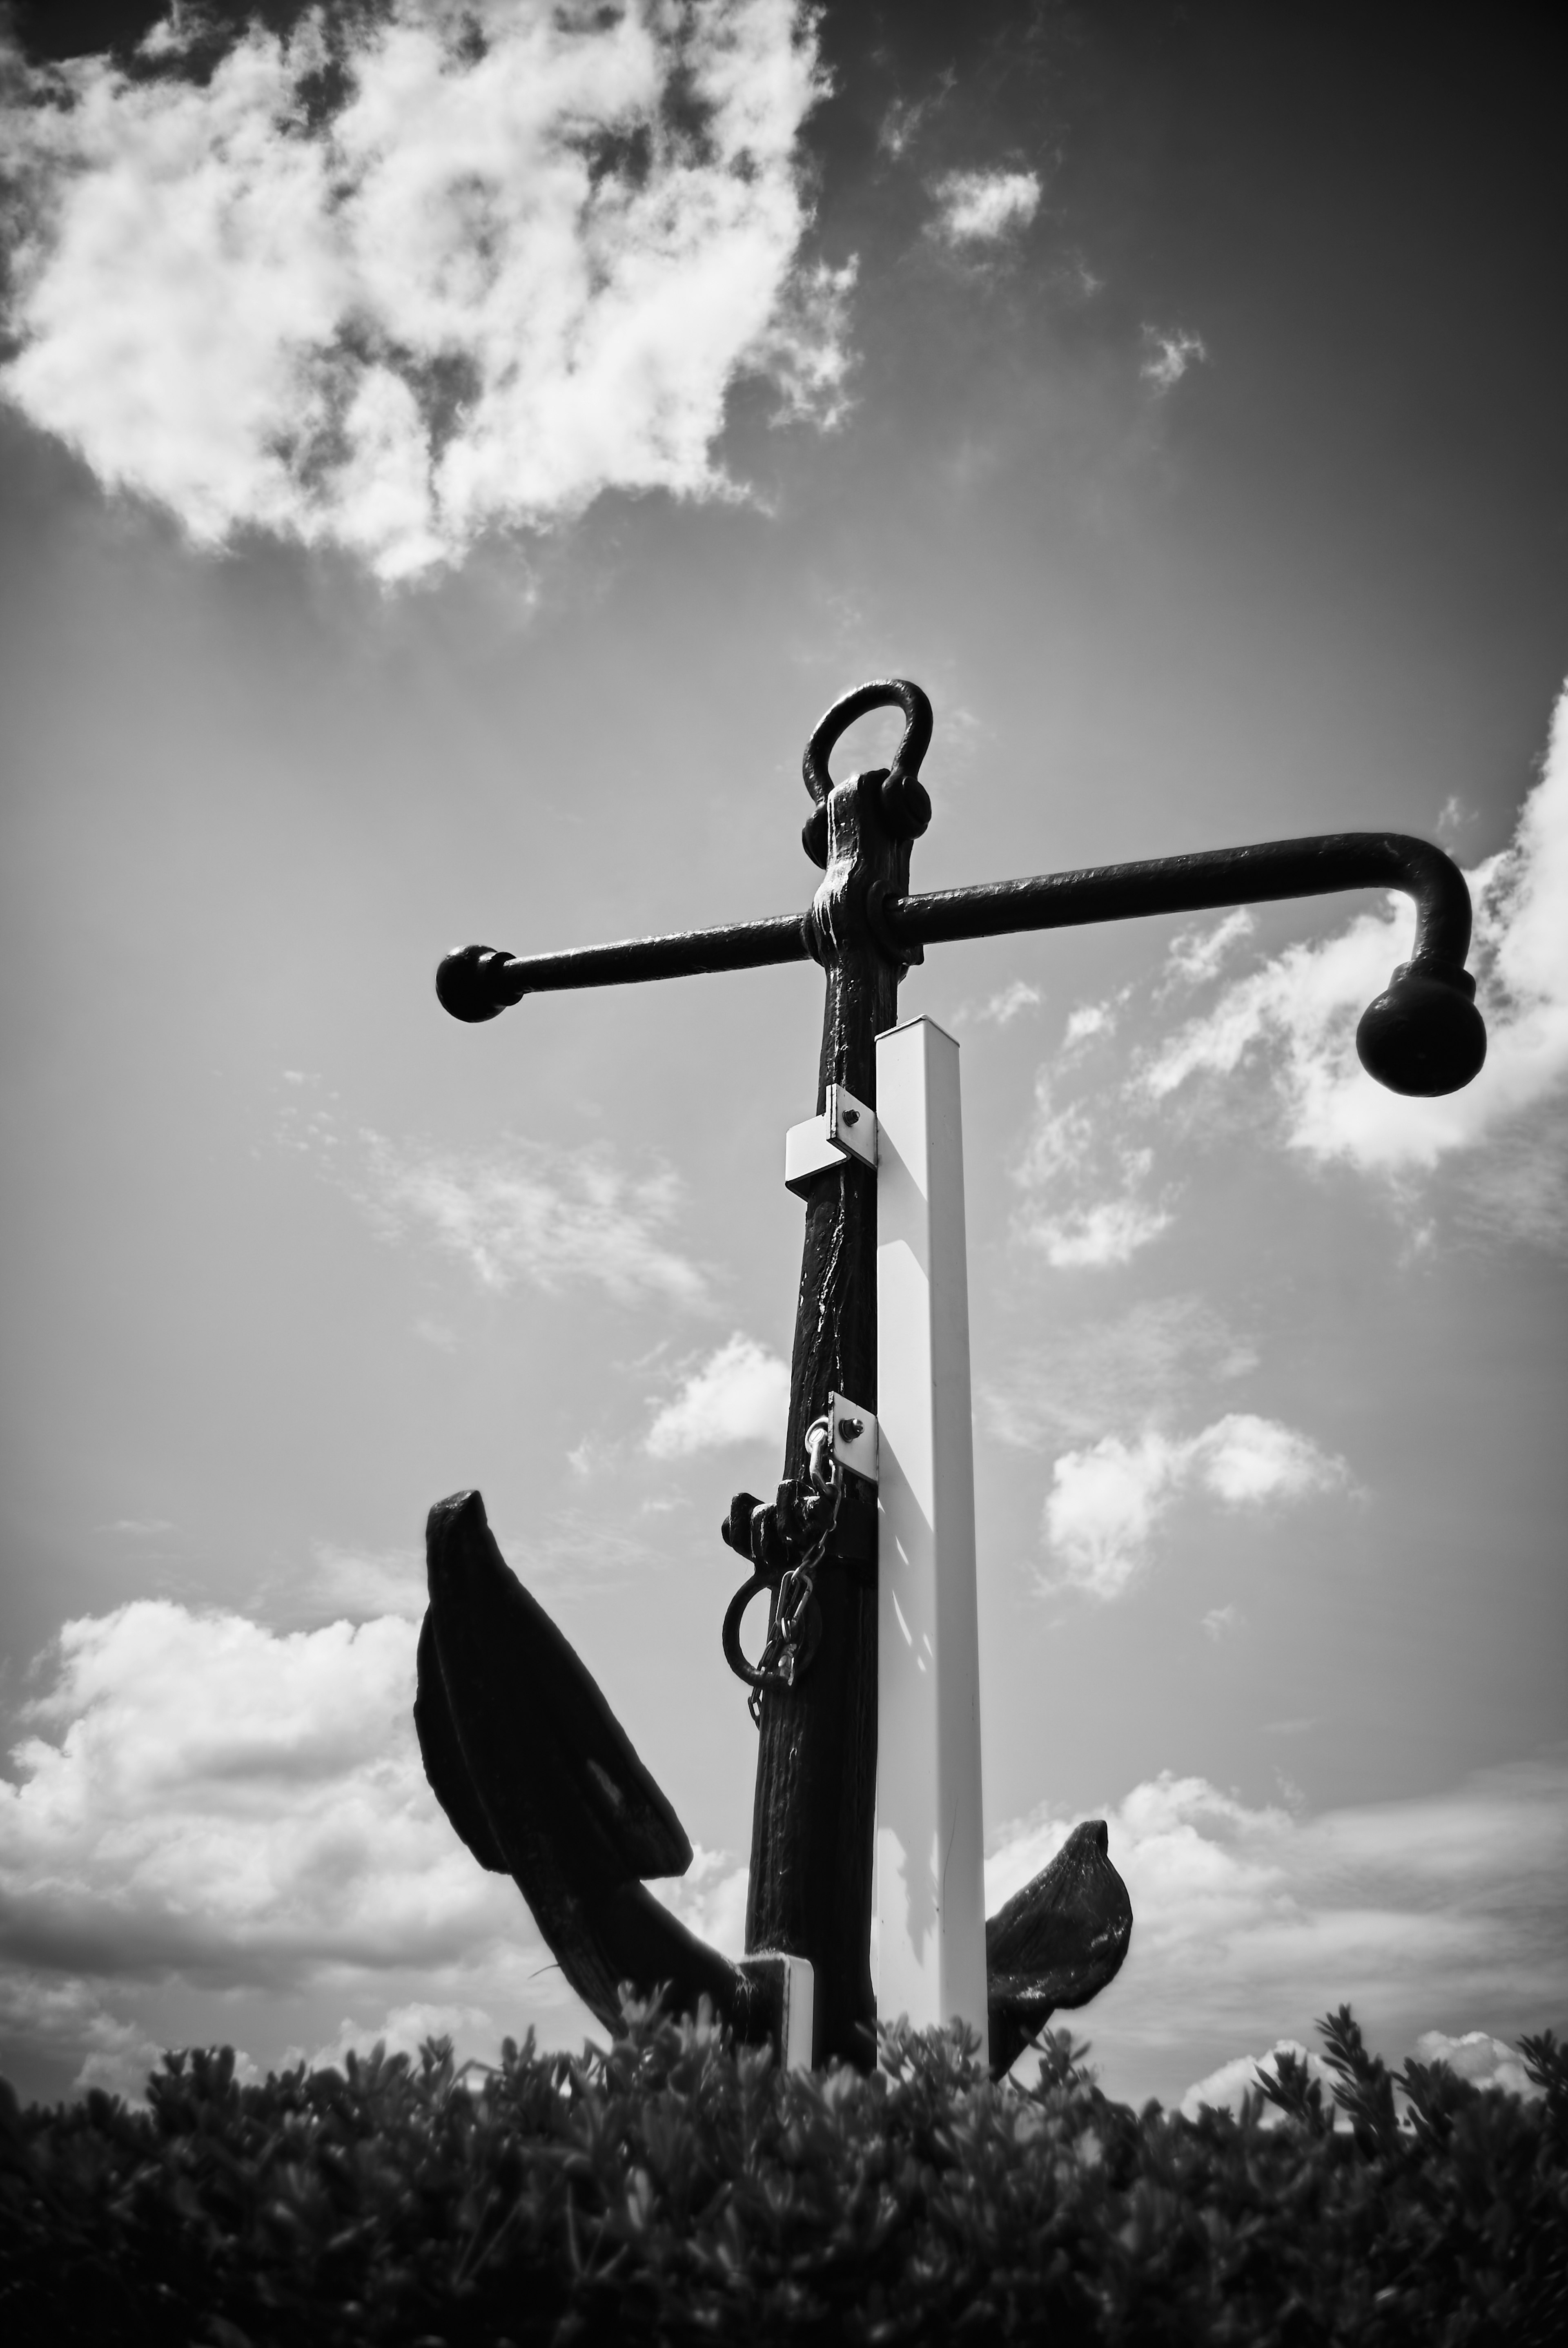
(850, 1430)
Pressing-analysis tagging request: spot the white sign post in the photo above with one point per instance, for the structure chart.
(929, 1896)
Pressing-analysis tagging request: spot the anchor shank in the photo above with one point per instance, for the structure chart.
(1193, 884)
(814, 1814)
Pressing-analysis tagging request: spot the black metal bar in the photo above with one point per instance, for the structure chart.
(480, 981)
(1193, 884)
(1422, 1035)
(477, 981)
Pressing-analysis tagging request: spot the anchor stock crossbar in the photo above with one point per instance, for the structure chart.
(479, 982)
(533, 1770)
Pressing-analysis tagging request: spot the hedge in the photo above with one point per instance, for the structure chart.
(673, 2189)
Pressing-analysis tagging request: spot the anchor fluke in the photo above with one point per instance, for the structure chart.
(1057, 1943)
(540, 1743)
(543, 1783)
(1423, 1035)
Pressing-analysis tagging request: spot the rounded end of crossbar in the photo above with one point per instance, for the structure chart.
(1423, 1035)
(468, 983)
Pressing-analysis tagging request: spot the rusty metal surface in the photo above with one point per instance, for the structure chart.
(1422, 1035)
(1258, 874)
(475, 983)
(1057, 1943)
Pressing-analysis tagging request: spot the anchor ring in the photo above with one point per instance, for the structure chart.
(906, 803)
(758, 1676)
(733, 1656)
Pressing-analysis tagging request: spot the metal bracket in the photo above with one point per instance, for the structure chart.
(855, 1436)
(786, 1985)
(846, 1128)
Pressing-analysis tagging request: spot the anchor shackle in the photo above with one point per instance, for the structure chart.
(906, 802)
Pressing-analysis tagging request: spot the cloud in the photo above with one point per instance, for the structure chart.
(402, 2030)
(1440, 1913)
(1167, 356)
(235, 1822)
(1109, 1231)
(1221, 1621)
(221, 1795)
(401, 277)
(555, 1218)
(1518, 1187)
(1194, 955)
(1476, 2056)
(208, 1815)
(365, 1585)
(900, 124)
(68, 2018)
(1002, 1008)
(710, 1899)
(1066, 1147)
(1106, 1501)
(740, 1395)
(1484, 2061)
(550, 1218)
(1088, 1375)
(1089, 1020)
(1299, 1013)
(984, 207)
(1226, 2085)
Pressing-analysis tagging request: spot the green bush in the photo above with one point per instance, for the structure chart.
(673, 2188)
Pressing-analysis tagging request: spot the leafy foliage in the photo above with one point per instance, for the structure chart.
(673, 2189)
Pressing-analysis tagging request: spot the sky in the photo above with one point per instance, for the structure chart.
(449, 457)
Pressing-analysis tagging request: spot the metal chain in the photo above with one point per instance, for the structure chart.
(797, 1621)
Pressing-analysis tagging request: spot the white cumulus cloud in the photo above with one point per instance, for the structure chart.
(1228, 2083)
(740, 1395)
(202, 1808)
(518, 259)
(1106, 1500)
(984, 207)
(1478, 2057)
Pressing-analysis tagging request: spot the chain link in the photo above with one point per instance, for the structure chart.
(797, 1621)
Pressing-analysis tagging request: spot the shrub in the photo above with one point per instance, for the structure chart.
(673, 2189)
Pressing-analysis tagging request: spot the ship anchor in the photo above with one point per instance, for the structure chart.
(866, 1689)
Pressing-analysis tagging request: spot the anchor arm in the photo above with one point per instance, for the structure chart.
(542, 1783)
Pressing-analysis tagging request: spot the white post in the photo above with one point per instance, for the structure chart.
(930, 1895)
